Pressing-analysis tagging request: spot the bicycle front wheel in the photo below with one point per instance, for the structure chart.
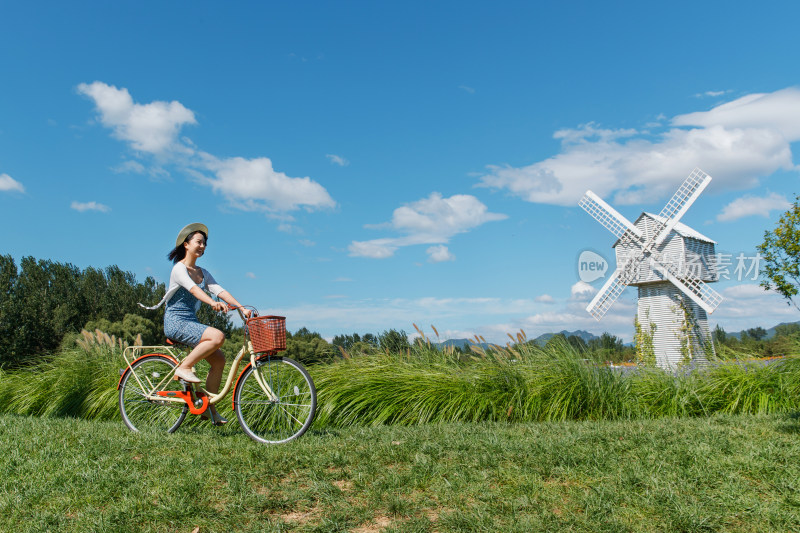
(275, 400)
(147, 376)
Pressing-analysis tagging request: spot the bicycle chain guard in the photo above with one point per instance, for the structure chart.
(186, 396)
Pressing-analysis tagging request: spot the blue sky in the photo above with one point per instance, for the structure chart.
(369, 165)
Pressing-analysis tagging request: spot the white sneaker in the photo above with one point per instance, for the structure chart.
(186, 375)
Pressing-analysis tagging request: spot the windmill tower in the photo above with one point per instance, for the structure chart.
(670, 264)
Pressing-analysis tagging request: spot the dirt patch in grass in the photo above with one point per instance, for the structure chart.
(377, 524)
(431, 514)
(344, 485)
(301, 517)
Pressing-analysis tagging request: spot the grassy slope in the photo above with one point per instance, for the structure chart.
(726, 472)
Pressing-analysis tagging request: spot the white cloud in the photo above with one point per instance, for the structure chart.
(467, 89)
(494, 318)
(752, 205)
(439, 253)
(711, 94)
(132, 167)
(432, 220)
(777, 112)
(346, 315)
(375, 249)
(151, 128)
(154, 128)
(748, 305)
(253, 184)
(89, 206)
(7, 183)
(250, 275)
(736, 143)
(337, 160)
(582, 291)
(545, 299)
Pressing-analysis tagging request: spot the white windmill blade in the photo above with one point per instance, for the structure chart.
(691, 286)
(607, 215)
(607, 295)
(680, 202)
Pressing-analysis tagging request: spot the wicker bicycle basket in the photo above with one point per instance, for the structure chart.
(267, 333)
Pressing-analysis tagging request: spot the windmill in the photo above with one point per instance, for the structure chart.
(670, 264)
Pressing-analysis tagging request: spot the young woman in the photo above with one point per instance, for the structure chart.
(187, 285)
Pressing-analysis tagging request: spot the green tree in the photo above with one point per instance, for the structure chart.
(43, 301)
(781, 254)
(8, 313)
(786, 340)
(309, 347)
(787, 330)
(394, 341)
(345, 342)
(719, 335)
(757, 333)
(606, 342)
(609, 347)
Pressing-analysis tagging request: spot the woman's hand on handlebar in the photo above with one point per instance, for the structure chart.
(245, 312)
(221, 307)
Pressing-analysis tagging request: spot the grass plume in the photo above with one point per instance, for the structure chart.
(514, 383)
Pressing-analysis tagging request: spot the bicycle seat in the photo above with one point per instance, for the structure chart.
(177, 344)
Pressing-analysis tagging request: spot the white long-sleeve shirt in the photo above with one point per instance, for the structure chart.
(179, 277)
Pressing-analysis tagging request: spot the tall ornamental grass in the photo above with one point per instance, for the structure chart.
(77, 382)
(517, 383)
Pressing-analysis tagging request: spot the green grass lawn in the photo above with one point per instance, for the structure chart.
(722, 473)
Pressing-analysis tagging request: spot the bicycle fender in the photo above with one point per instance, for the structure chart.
(233, 397)
(142, 357)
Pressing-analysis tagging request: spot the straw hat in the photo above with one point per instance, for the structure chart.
(187, 230)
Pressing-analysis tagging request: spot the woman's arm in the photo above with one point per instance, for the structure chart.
(221, 293)
(228, 297)
(198, 293)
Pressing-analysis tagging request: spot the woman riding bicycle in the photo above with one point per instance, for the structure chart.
(187, 285)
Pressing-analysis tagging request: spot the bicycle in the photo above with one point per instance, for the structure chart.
(274, 397)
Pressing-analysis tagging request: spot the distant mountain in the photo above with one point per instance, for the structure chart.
(541, 340)
(770, 331)
(461, 343)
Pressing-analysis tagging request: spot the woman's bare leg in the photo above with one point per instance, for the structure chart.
(214, 378)
(209, 349)
(211, 341)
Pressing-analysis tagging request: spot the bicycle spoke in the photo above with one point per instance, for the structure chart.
(288, 414)
(138, 410)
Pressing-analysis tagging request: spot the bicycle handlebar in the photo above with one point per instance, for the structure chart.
(241, 314)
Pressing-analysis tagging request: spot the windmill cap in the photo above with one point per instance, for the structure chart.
(188, 230)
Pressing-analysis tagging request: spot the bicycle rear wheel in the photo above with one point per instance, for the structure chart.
(283, 408)
(147, 376)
